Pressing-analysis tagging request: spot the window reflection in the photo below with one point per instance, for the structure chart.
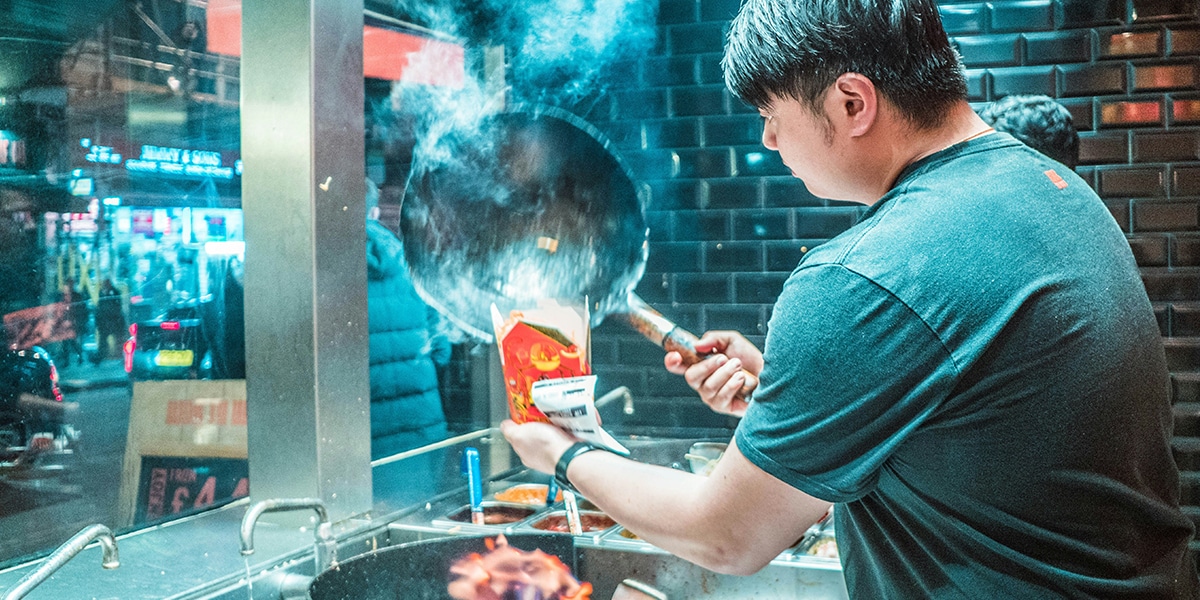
(122, 394)
(122, 372)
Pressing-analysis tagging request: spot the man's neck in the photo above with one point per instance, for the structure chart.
(907, 145)
(962, 125)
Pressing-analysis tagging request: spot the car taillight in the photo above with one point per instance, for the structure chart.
(54, 383)
(170, 325)
(41, 442)
(128, 347)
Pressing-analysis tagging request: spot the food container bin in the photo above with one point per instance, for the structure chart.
(592, 521)
(821, 545)
(495, 514)
(627, 534)
(609, 555)
(619, 537)
(702, 457)
(532, 494)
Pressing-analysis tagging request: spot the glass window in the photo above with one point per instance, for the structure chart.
(122, 375)
(122, 396)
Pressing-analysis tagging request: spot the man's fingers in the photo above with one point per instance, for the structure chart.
(724, 395)
(737, 408)
(717, 341)
(700, 375)
(718, 378)
(674, 363)
(729, 392)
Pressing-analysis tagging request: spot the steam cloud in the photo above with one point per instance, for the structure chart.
(558, 48)
(557, 53)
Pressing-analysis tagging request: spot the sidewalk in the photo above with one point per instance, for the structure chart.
(86, 376)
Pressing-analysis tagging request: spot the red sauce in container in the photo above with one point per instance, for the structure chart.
(494, 515)
(590, 522)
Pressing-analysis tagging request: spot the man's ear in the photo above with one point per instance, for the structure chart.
(857, 103)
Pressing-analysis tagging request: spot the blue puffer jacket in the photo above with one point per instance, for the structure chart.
(406, 409)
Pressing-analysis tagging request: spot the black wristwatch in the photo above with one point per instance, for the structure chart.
(560, 469)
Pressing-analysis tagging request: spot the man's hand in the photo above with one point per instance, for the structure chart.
(539, 445)
(719, 377)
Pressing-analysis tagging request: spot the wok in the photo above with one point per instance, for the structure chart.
(420, 570)
(524, 205)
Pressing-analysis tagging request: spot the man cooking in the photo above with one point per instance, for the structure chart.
(973, 373)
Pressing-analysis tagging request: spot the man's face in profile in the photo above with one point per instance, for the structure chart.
(804, 141)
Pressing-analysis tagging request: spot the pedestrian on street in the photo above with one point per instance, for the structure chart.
(110, 322)
(76, 314)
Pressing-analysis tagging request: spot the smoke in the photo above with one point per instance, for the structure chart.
(555, 53)
(560, 48)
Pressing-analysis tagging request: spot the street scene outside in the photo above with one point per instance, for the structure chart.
(78, 336)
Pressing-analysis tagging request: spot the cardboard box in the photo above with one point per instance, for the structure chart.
(546, 342)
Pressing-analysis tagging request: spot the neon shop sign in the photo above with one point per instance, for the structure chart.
(165, 160)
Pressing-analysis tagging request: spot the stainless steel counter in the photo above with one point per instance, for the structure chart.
(198, 558)
(180, 560)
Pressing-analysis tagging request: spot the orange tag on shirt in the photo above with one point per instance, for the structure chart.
(1056, 179)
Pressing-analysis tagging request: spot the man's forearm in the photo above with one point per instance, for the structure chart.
(703, 520)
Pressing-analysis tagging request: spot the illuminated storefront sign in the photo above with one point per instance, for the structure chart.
(100, 154)
(12, 150)
(387, 54)
(165, 160)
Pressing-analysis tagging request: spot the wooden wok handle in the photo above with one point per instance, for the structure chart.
(673, 338)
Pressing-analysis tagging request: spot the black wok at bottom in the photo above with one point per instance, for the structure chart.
(419, 570)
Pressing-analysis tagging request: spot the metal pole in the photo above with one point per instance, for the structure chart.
(302, 193)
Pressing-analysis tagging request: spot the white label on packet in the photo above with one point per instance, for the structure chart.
(570, 404)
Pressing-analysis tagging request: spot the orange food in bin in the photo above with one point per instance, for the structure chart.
(533, 493)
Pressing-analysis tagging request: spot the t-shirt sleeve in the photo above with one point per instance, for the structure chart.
(850, 372)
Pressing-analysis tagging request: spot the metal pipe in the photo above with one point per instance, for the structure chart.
(326, 543)
(613, 394)
(446, 443)
(382, 18)
(64, 553)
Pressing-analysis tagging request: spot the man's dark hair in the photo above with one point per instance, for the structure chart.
(797, 49)
(1039, 122)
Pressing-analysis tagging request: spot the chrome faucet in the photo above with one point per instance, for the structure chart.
(326, 543)
(613, 394)
(66, 552)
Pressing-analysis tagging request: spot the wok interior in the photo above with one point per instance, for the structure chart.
(529, 205)
(419, 570)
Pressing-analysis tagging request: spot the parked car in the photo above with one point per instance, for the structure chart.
(34, 424)
(170, 346)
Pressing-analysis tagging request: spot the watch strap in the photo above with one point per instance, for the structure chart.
(560, 468)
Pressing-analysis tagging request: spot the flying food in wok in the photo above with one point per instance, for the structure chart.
(505, 572)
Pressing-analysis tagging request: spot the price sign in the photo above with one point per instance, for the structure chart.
(173, 485)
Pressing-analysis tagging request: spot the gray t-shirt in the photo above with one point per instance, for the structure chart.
(975, 373)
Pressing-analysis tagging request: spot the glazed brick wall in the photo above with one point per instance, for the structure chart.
(728, 223)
